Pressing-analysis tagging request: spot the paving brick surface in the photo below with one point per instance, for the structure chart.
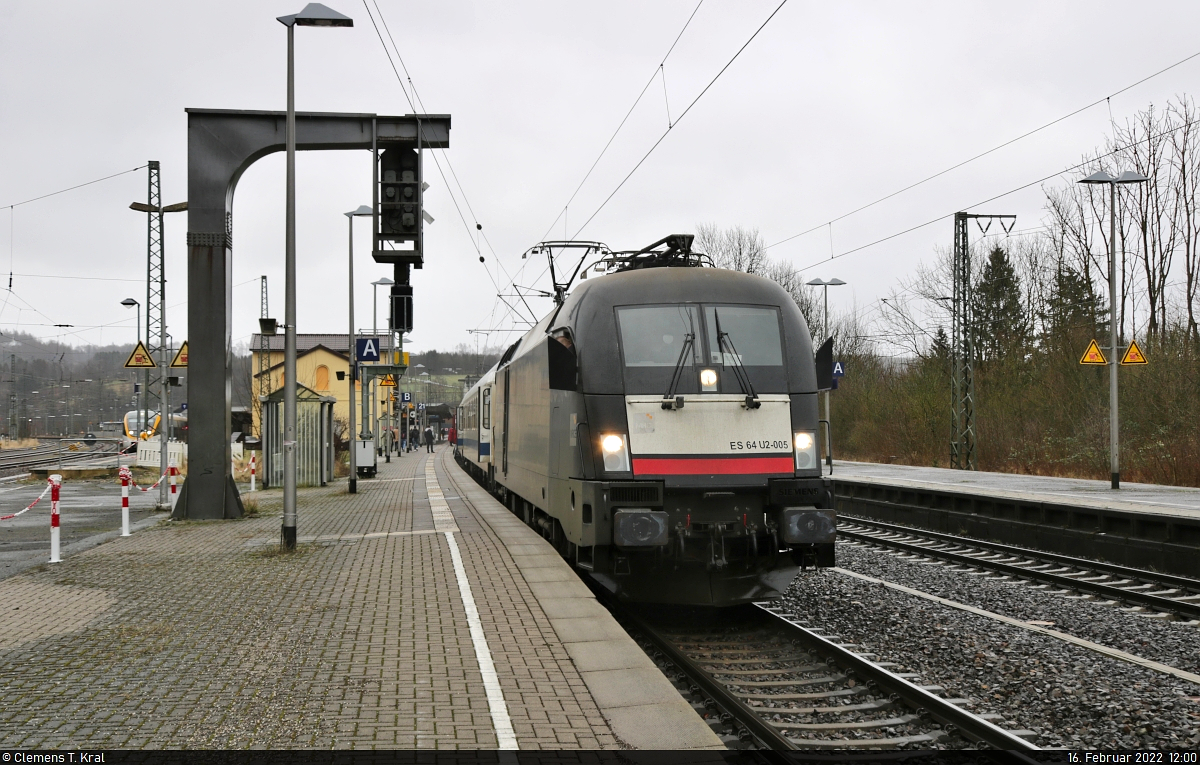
(203, 635)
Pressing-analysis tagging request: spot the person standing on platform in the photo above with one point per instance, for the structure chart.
(429, 439)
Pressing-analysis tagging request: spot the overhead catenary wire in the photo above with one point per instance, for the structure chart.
(683, 114)
(72, 188)
(437, 162)
(1052, 123)
(657, 70)
(1022, 187)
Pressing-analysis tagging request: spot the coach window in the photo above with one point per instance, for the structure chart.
(487, 408)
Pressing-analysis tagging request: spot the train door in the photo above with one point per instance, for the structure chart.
(507, 398)
(485, 427)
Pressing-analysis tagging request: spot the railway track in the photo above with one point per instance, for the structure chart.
(775, 683)
(48, 454)
(1148, 592)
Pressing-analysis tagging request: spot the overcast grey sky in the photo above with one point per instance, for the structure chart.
(832, 106)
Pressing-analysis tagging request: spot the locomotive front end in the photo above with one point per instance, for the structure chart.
(710, 489)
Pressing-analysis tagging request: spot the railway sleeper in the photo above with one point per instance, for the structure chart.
(764, 672)
(841, 692)
(822, 680)
(891, 722)
(868, 743)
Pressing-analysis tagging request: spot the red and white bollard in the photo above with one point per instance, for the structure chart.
(126, 477)
(55, 484)
(174, 496)
(253, 467)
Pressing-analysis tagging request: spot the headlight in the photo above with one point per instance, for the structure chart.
(616, 453)
(708, 380)
(806, 449)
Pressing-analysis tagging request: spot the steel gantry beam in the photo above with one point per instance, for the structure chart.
(962, 343)
(221, 145)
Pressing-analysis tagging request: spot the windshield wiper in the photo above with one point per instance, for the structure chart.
(739, 371)
(670, 400)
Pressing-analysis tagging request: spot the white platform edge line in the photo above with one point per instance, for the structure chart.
(1097, 647)
(506, 738)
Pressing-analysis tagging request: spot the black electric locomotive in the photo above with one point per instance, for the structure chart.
(660, 429)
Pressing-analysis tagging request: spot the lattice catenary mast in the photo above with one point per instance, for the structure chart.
(155, 289)
(962, 343)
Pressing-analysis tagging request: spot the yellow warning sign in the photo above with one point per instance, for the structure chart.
(400, 357)
(140, 358)
(388, 381)
(1134, 355)
(1093, 355)
(181, 356)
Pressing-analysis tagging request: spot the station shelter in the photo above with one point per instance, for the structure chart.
(314, 438)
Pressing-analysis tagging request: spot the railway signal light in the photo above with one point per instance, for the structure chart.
(400, 213)
(402, 308)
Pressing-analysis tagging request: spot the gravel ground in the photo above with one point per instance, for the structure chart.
(1176, 644)
(1070, 696)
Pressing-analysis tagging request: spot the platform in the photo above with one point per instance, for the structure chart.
(1139, 525)
(203, 635)
(1132, 497)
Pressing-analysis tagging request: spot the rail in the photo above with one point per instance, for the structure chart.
(1025, 561)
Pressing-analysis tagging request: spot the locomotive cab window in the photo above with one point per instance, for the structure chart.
(652, 339)
(749, 336)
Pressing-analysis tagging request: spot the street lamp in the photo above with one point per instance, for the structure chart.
(381, 282)
(141, 406)
(313, 15)
(362, 211)
(164, 390)
(1114, 449)
(825, 285)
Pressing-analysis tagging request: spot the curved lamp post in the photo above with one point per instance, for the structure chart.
(313, 15)
(1114, 429)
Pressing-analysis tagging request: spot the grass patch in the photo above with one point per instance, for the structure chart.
(278, 551)
(250, 506)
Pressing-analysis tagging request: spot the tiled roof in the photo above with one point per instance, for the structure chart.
(336, 343)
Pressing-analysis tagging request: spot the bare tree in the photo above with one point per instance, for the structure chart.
(737, 248)
(1185, 141)
(1145, 142)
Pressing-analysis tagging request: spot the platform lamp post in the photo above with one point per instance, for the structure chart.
(1114, 429)
(313, 15)
(375, 416)
(362, 211)
(141, 404)
(825, 285)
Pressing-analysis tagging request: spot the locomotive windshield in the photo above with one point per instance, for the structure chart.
(753, 333)
(653, 336)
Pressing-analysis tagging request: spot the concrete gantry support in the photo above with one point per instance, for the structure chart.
(221, 145)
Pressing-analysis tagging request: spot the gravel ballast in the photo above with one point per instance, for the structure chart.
(1069, 695)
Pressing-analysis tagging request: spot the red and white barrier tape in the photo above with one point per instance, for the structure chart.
(142, 488)
(31, 504)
